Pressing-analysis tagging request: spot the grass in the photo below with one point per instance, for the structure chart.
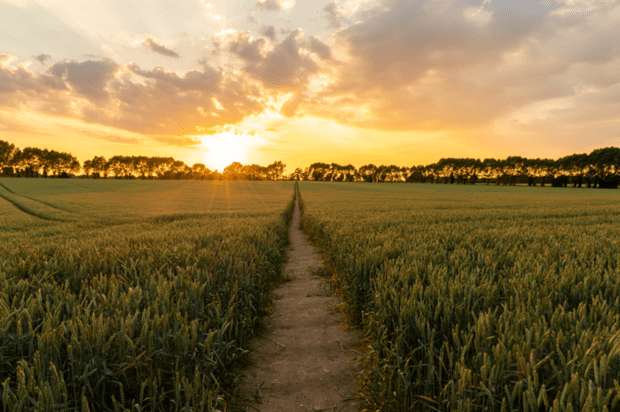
(476, 298)
(134, 295)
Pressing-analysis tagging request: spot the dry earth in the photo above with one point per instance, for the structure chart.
(305, 360)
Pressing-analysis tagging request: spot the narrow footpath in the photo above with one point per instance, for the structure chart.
(305, 360)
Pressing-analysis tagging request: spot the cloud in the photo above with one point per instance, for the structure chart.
(18, 85)
(102, 135)
(42, 58)
(463, 66)
(198, 102)
(460, 65)
(333, 14)
(158, 48)
(88, 78)
(282, 67)
(319, 48)
(102, 92)
(178, 140)
(248, 48)
(275, 5)
(5, 59)
(204, 81)
(269, 32)
(290, 106)
(271, 5)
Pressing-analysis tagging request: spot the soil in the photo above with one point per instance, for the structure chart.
(306, 359)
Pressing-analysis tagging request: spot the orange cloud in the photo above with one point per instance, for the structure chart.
(459, 65)
(164, 103)
(472, 67)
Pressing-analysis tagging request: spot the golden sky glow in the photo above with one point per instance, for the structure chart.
(352, 81)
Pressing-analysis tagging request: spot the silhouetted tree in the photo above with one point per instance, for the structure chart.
(368, 173)
(233, 171)
(605, 164)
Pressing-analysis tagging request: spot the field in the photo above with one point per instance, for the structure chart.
(133, 295)
(476, 298)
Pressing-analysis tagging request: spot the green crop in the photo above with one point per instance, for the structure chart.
(476, 298)
(133, 295)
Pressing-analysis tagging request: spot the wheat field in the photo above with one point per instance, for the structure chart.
(133, 295)
(476, 298)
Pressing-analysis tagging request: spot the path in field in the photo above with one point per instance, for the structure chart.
(302, 363)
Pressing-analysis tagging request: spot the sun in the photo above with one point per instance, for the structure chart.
(224, 148)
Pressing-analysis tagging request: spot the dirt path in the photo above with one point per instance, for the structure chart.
(302, 363)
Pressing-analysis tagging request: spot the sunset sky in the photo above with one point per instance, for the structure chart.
(352, 81)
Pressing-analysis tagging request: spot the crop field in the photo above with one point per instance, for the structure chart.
(133, 295)
(476, 298)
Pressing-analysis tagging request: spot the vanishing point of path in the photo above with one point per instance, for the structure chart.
(302, 362)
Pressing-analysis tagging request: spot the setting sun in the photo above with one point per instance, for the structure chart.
(224, 148)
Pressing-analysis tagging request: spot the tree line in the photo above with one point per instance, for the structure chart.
(35, 162)
(600, 168)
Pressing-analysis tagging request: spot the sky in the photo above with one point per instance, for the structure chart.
(304, 81)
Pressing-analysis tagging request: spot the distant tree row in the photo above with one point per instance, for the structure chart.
(601, 168)
(35, 162)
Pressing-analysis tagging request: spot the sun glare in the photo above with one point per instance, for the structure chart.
(224, 148)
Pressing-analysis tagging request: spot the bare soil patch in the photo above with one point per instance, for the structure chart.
(305, 361)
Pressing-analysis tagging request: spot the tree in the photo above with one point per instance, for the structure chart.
(297, 174)
(445, 169)
(539, 169)
(179, 170)
(276, 170)
(317, 171)
(31, 159)
(200, 171)
(234, 171)
(254, 172)
(7, 151)
(606, 166)
(575, 166)
(415, 174)
(98, 165)
(162, 166)
(514, 166)
(487, 169)
(368, 173)
(61, 163)
(116, 164)
(351, 173)
(87, 167)
(143, 166)
(466, 169)
(430, 172)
